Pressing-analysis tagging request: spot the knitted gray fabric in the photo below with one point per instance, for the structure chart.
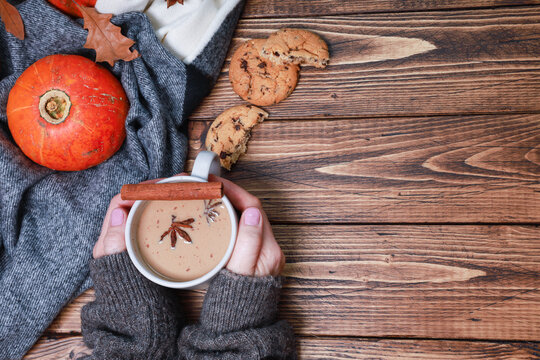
(133, 318)
(49, 221)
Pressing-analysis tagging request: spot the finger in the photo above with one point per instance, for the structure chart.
(240, 198)
(113, 240)
(117, 201)
(248, 243)
(267, 228)
(98, 248)
(271, 259)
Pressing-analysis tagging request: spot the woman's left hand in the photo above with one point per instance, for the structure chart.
(112, 239)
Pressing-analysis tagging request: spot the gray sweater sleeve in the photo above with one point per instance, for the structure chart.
(133, 318)
(239, 321)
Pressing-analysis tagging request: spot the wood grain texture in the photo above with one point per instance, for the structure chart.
(49, 348)
(451, 282)
(433, 169)
(287, 8)
(331, 348)
(347, 348)
(69, 319)
(460, 62)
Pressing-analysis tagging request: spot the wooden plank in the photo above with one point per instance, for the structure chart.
(53, 348)
(72, 347)
(415, 170)
(449, 282)
(69, 319)
(287, 8)
(351, 348)
(463, 62)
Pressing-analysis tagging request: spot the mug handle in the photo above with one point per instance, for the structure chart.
(206, 163)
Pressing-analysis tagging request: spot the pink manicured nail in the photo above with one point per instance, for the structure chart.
(117, 217)
(252, 216)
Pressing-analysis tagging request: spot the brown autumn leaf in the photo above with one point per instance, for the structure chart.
(12, 19)
(173, 2)
(106, 38)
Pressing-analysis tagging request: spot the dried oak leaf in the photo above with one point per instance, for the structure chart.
(12, 19)
(173, 2)
(106, 38)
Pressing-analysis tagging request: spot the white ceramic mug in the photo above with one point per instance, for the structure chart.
(206, 163)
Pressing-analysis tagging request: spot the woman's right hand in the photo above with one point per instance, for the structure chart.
(256, 252)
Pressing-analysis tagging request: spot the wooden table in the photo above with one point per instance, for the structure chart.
(403, 181)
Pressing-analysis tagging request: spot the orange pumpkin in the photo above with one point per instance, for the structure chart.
(68, 7)
(67, 113)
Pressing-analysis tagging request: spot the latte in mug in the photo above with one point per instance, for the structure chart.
(183, 240)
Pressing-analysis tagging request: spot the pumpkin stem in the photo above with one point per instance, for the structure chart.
(54, 106)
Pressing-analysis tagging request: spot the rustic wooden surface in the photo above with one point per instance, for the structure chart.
(403, 181)
(287, 8)
(482, 281)
(72, 347)
(426, 63)
(394, 170)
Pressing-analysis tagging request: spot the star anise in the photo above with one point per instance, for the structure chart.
(175, 230)
(173, 2)
(210, 210)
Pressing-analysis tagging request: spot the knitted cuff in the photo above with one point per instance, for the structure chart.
(117, 282)
(235, 302)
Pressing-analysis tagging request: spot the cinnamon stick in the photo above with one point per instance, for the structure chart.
(173, 191)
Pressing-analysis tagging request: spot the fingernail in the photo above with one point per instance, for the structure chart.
(252, 216)
(117, 217)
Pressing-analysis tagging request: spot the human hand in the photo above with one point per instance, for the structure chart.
(112, 239)
(256, 252)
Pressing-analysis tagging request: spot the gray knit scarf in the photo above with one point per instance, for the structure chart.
(49, 220)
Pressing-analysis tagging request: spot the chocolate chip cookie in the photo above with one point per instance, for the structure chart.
(296, 46)
(258, 80)
(229, 133)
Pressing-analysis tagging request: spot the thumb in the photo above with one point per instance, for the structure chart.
(248, 243)
(112, 240)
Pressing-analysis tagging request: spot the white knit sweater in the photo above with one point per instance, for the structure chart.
(183, 29)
